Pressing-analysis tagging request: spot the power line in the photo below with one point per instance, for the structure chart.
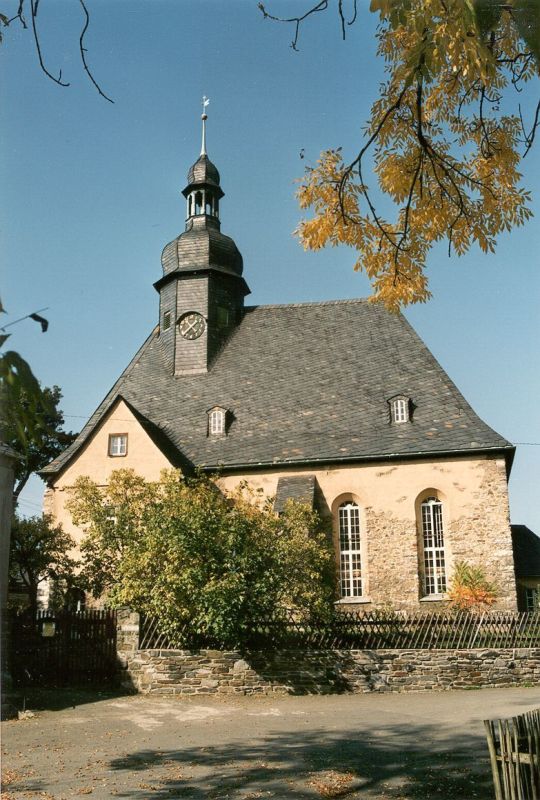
(116, 419)
(27, 316)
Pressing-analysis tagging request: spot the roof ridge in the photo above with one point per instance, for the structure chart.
(349, 301)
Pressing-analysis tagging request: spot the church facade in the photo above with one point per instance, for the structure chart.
(338, 404)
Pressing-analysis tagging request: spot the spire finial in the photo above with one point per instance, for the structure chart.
(204, 117)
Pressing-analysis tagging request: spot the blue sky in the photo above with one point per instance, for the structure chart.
(91, 194)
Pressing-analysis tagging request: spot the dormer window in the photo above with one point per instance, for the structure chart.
(400, 409)
(217, 419)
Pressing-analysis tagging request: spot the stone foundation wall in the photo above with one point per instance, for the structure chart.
(186, 672)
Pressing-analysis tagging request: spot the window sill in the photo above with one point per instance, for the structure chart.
(347, 601)
(434, 598)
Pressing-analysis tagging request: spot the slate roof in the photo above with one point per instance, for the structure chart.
(294, 487)
(200, 246)
(203, 171)
(305, 383)
(526, 547)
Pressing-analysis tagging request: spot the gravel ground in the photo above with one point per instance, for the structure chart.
(374, 747)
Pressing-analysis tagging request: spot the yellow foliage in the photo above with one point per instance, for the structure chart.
(441, 149)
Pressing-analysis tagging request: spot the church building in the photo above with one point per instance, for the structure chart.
(339, 404)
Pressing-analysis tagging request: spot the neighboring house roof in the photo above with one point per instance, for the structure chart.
(526, 547)
(294, 487)
(304, 383)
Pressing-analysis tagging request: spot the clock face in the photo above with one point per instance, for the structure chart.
(191, 325)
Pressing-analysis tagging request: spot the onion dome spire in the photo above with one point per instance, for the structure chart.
(202, 245)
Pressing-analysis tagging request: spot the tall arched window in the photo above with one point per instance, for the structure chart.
(433, 547)
(350, 562)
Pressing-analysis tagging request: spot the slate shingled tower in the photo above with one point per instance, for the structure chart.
(202, 290)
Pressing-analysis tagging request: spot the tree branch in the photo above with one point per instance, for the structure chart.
(321, 6)
(529, 137)
(83, 53)
(33, 13)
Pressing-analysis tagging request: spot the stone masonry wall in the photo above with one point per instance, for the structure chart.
(189, 672)
(184, 672)
(476, 522)
(483, 536)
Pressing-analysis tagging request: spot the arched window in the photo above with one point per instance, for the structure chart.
(208, 204)
(433, 547)
(350, 562)
(399, 407)
(216, 422)
(198, 202)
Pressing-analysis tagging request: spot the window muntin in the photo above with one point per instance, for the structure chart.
(532, 599)
(400, 410)
(118, 444)
(350, 560)
(433, 547)
(216, 422)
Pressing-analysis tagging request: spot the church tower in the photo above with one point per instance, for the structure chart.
(202, 290)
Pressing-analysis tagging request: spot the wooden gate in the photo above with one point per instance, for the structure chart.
(63, 648)
(514, 751)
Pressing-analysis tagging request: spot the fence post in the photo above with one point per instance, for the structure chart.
(127, 641)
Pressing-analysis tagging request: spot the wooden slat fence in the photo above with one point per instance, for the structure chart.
(366, 631)
(514, 751)
(58, 648)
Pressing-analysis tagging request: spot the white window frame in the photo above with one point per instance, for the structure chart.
(433, 548)
(350, 557)
(118, 443)
(216, 422)
(400, 410)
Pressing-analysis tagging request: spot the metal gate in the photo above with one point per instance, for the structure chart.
(63, 648)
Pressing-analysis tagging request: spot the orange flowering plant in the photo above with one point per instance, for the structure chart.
(470, 590)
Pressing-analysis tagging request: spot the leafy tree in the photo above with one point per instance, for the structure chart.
(443, 148)
(180, 550)
(31, 420)
(469, 588)
(39, 550)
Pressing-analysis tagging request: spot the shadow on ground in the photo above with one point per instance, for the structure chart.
(395, 762)
(39, 699)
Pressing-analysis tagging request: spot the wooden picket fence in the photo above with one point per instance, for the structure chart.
(514, 750)
(377, 630)
(63, 648)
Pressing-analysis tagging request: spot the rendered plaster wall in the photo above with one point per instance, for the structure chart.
(473, 492)
(475, 517)
(94, 460)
